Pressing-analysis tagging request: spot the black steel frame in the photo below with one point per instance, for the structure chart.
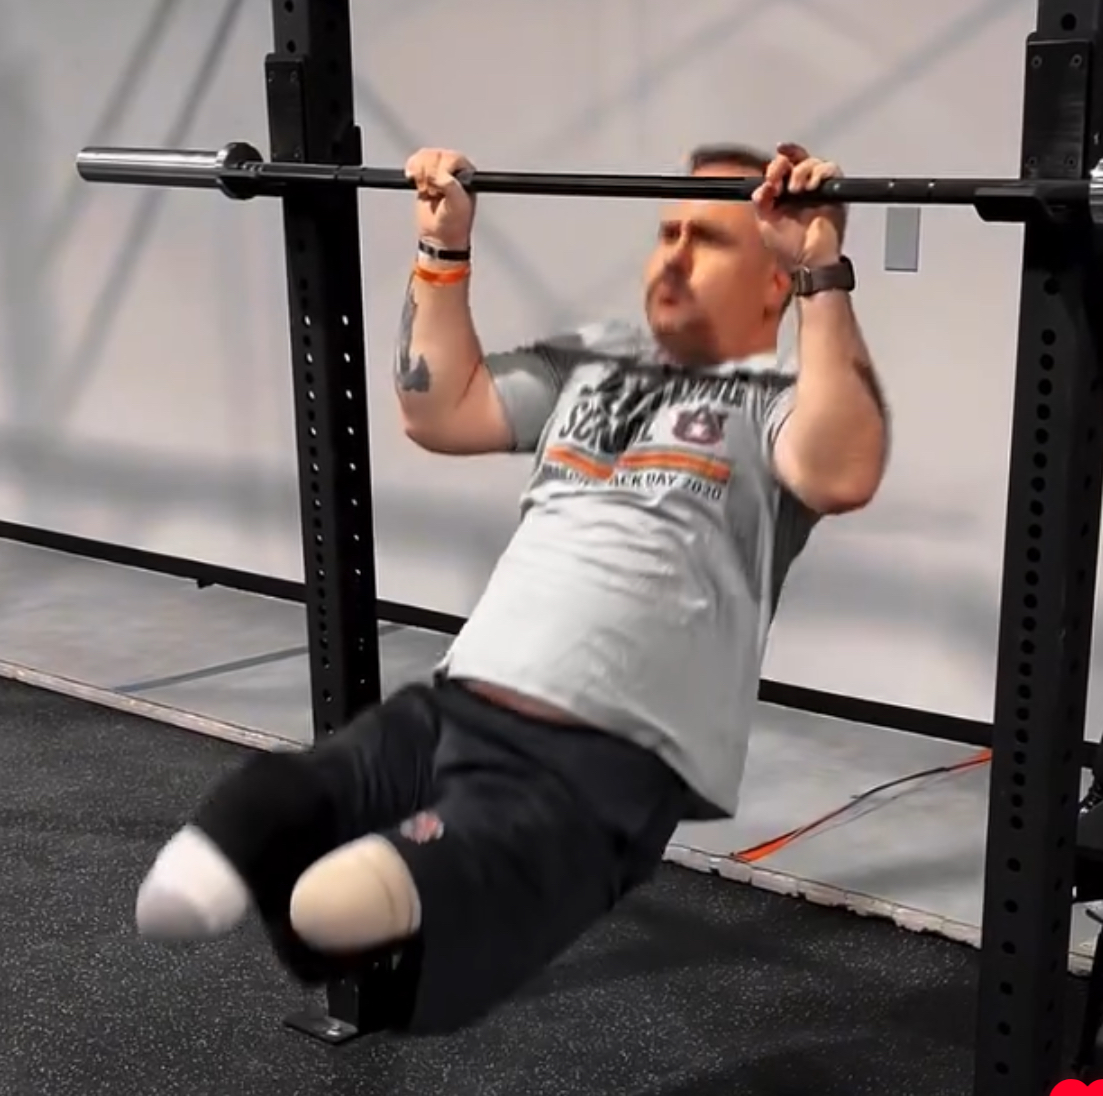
(310, 110)
(1053, 507)
(1049, 571)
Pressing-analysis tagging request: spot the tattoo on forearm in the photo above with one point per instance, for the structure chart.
(411, 373)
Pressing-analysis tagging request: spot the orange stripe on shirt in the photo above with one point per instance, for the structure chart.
(677, 461)
(562, 454)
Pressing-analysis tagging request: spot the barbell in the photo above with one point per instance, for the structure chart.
(240, 171)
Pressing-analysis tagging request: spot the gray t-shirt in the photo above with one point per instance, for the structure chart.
(639, 587)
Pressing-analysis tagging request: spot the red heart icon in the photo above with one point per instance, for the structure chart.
(1077, 1088)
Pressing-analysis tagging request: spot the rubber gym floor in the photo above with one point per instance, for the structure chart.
(695, 987)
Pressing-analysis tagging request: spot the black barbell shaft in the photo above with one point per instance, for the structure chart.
(240, 170)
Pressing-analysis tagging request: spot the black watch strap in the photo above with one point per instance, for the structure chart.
(818, 279)
(444, 254)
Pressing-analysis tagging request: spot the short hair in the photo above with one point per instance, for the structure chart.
(728, 155)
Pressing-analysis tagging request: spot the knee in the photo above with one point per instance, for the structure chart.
(359, 896)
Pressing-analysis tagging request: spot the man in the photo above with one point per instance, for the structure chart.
(471, 829)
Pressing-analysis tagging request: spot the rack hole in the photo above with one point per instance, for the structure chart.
(1043, 411)
(1011, 906)
(1049, 337)
(1033, 555)
(1014, 864)
(1051, 286)
(1016, 822)
(1003, 1028)
(1019, 757)
(1046, 362)
(1029, 624)
(1008, 948)
(1041, 436)
(1006, 989)
(1022, 736)
(1068, 21)
(1045, 386)
(288, 5)
(1018, 779)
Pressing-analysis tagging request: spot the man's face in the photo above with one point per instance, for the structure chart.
(714, 290)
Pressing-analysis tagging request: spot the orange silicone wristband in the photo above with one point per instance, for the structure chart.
(443, 277)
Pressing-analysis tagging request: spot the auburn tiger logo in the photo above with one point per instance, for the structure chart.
(704, 426)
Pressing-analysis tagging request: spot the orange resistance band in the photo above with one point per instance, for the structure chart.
(443, 277)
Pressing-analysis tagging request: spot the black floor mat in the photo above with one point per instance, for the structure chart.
(695, 987)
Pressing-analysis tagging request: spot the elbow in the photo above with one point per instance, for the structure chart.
(846, 492)
(842, 498)
(424, 436)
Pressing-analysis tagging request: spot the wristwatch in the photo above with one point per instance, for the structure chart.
(817, 279)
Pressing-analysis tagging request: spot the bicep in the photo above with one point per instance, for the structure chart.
(505, 406)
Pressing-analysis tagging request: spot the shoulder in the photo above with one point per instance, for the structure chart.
(768, 375)
(593, 343)
(589, 350)
(617, 339)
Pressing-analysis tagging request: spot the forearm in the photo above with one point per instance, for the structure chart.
(838, 429)
(438, 349)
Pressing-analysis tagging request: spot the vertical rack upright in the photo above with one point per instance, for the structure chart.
(1049, 574)
(309, 79)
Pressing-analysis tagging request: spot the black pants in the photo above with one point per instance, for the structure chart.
(519, 834)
